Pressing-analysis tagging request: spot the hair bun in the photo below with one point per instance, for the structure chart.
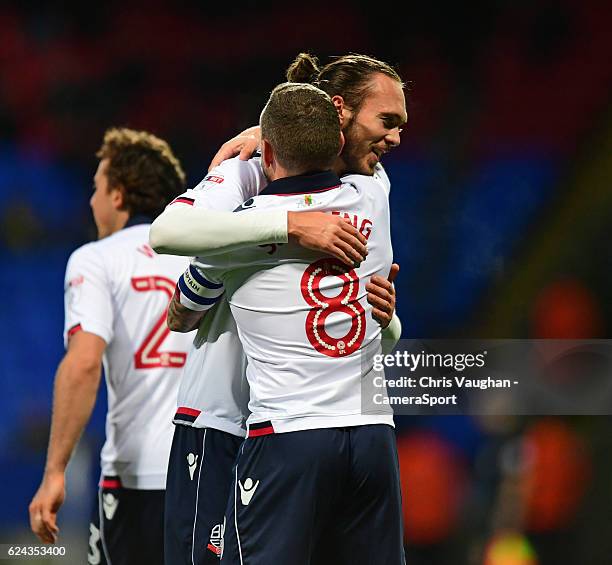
(305, 68)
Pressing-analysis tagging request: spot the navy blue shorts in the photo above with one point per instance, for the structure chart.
(197, 489)
(127, 526)
(313, 497)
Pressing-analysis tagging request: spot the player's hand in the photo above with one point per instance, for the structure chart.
(44, 507)
(328, 234)
(243, 145)
(381, 295)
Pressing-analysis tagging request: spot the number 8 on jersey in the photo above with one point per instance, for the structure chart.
(322, 306)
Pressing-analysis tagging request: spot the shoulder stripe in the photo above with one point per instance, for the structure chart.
(183, 200)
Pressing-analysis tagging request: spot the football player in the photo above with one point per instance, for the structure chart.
(117, 291)
(211, 409)
(315, 467)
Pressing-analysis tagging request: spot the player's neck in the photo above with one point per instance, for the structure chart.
(119, 222)
(340, 167)
(282, 173)
(279, 172)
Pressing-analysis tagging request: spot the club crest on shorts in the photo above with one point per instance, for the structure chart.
(247, 490)
(216, 539)
(192, 463)
(109, 504)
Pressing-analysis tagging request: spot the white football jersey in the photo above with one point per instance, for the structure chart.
(119, 289)
(214, 392)
(304, 321)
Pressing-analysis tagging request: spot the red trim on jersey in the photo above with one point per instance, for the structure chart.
(183, 200)
(261, 429)
(110, 483)
(188, 411)
(74, 329)
(215, 550)
(309, 192)
(261, 432)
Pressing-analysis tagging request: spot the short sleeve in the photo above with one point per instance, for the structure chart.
(227, 186)
(87, 295)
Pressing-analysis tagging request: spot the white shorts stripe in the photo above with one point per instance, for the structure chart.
(195, 516)
(236, 508)
(101, 514)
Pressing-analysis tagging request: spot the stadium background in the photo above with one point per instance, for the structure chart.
(501, 218)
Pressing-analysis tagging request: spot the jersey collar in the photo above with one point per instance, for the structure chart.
(303, 184)
(137, 220)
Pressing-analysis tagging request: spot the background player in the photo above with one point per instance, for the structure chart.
(117, 292)
(309, 448)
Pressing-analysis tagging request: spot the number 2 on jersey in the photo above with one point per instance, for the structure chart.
(149, 355)
(322, 306)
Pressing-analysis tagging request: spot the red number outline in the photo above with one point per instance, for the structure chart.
(149, 355)
(323, 306)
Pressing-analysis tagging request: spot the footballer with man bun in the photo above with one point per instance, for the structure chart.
(195, 224)
(212, 404)
(317, 477)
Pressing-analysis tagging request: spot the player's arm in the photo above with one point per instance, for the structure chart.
(184, 230)
(187, 230)
(201, 222)
(76, 387)
(180, 318)
(381, 295)
(391, 334)
(194, 295)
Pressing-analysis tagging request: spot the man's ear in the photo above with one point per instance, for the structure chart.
(267, 153)
(117, 198)
(343, 112)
